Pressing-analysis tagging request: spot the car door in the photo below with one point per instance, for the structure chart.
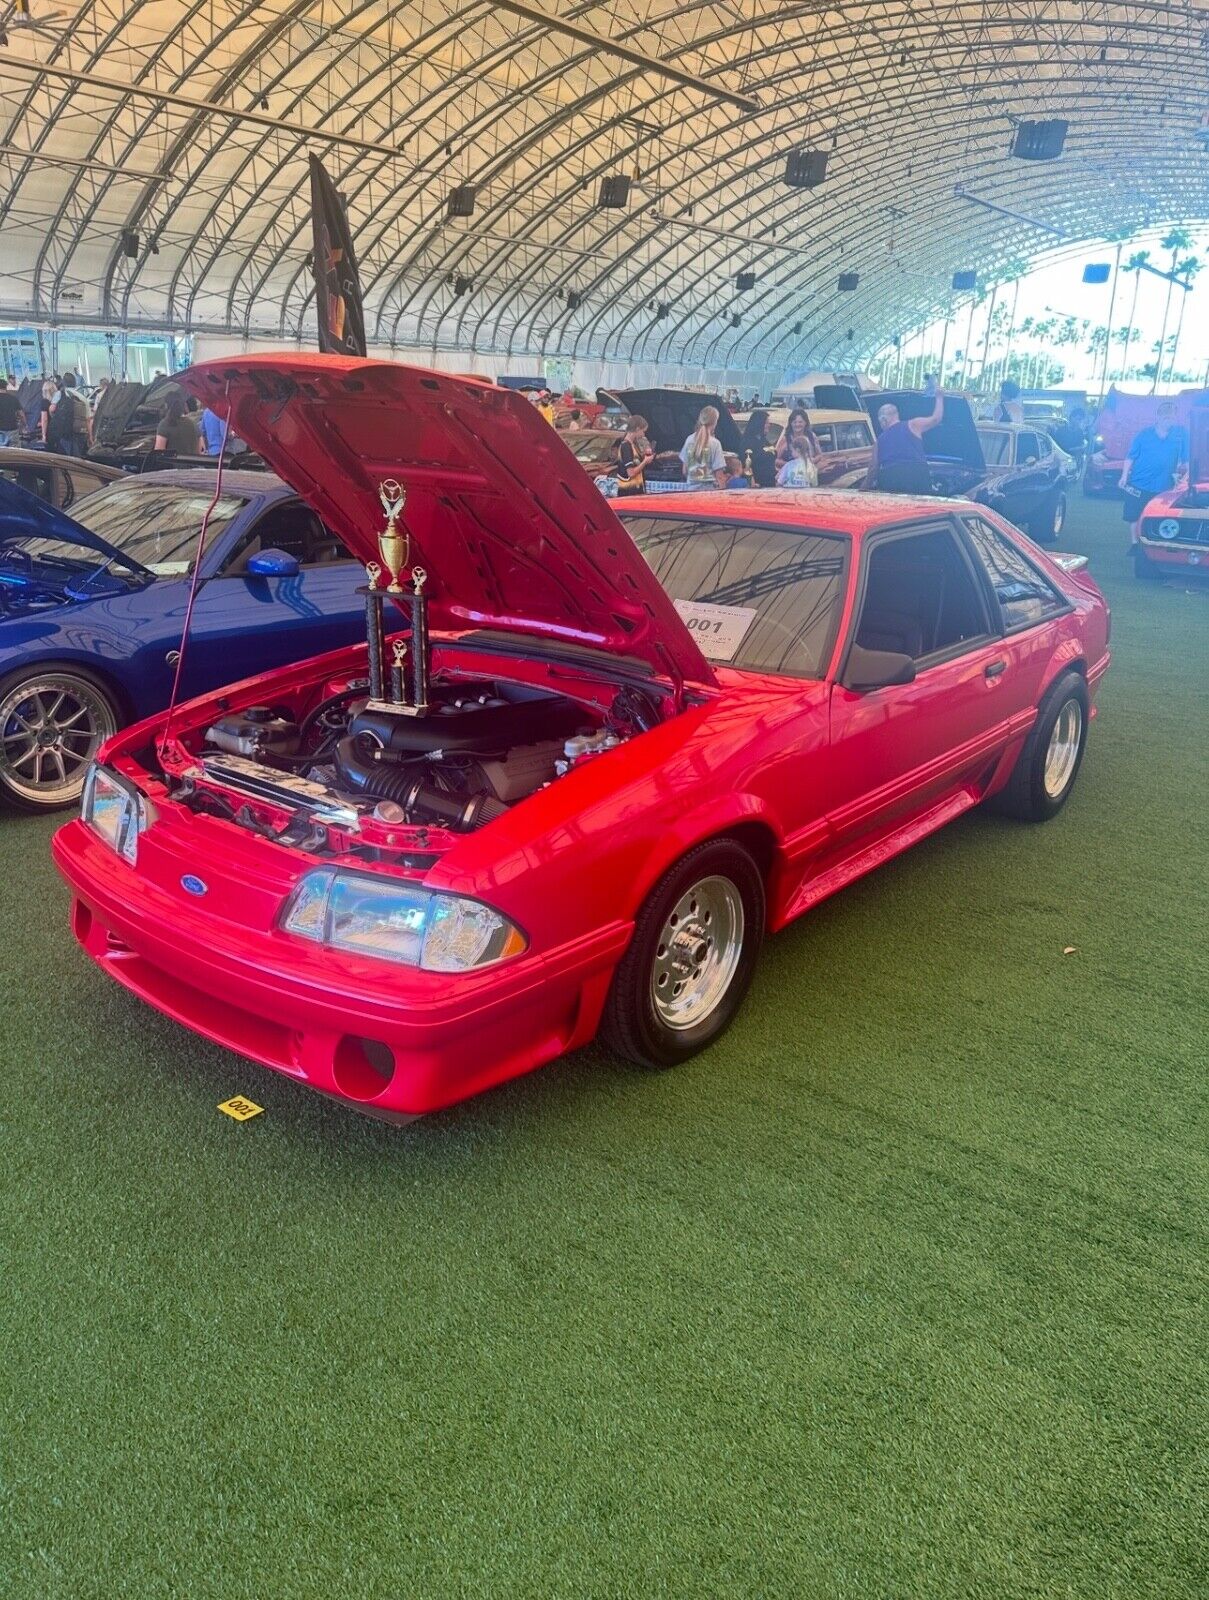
(922, 748)
(244, 622)
(1028, 606)
(1029, 485)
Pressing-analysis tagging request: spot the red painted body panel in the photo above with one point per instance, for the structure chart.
(821, 782)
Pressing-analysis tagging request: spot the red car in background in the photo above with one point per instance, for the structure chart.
(1174, 536)
(641, 740)
(1121, 418)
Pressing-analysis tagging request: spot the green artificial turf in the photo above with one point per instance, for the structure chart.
(898, 1292)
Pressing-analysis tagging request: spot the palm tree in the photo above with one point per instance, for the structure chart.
(1178, 239)
(1188, 270)
(1136, 262)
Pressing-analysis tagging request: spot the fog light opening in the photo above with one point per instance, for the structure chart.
(362, 1067)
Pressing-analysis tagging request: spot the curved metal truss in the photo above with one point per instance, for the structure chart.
(188, 122)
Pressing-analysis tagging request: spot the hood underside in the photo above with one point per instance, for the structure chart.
(954, 438)
(671, 415)
(505, 522)
(27, 516)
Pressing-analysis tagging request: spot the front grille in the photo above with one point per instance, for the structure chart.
(1193, 530)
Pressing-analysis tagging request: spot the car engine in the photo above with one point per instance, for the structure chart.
(478, 748)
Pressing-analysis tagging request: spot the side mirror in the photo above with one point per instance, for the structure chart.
(1030, 461)
(272, 563)
(877, 669)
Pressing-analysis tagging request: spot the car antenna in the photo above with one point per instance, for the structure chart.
(197, 565)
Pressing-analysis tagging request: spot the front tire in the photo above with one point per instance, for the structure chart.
(1047, 767)
(692, 957)
(52, 722)
(1143, 566)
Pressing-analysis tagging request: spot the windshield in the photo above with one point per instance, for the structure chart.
(996, 446)
(766, 599)
(154, 525)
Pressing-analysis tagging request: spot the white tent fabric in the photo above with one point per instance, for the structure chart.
(189, 122)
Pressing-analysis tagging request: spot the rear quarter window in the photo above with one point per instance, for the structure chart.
(1025, 595)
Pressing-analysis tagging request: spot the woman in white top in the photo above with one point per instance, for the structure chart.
(703, 457)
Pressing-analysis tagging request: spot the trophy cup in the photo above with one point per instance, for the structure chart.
(393, 545)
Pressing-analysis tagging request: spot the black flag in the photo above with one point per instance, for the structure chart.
(337, 290)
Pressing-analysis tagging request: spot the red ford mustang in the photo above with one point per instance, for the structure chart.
(571, 787)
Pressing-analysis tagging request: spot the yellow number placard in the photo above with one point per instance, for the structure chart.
(240, 1107)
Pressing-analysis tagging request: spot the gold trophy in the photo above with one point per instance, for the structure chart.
(393, 546)
(373, 574)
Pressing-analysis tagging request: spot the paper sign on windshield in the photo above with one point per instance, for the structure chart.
(718, 630)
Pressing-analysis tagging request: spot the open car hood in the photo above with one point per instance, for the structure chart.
(838, 397)
(509, 528)
(671, 416)
(954, 438)
(27, 516)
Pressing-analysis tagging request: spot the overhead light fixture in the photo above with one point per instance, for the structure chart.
(461, 200)
(574, 300)
(1096, 272)
(130, 242)
(1039, 141)
(965, 280)
(662, 311)
(462, 285)
(745, 281)
(848, 281)
(614, 194)
(805, 169)
(797, 327)
(736, 320)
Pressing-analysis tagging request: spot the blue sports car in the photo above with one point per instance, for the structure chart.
(92, 606)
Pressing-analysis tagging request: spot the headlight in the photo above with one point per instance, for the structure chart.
(1169, 528)
(398, 922)
(114, 809)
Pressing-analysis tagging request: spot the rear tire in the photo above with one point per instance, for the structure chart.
(692, 957)
(1047, 767)
(1049, 525)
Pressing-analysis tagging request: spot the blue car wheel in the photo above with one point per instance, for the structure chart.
(52, 721)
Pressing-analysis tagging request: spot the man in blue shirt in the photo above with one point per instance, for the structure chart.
(211, 430)
(1157, 457)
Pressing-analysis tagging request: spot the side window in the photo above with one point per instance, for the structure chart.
(1026, 448)
(921, 598)
(851, 436)
(1025, 595)
(293, 528)
(1044, 445)
(825, 434)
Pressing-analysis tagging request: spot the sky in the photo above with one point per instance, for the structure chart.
(1054, 290)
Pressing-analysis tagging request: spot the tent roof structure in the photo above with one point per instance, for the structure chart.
(188, 123)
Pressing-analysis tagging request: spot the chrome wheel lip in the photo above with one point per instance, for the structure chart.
(1059, 521)
(51, 725)
(1062, 752)
(697, 954)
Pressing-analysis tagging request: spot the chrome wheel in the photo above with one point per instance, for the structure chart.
(50, 729)
(1062, 754)
(698, 953)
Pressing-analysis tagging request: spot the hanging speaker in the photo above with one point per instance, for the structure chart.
(614, 193)
(461, 200)
(736, 320)
(849, 281)
(965, 280)
(130, 242)
(745, 281)
(574, 300)
(797, 327)
(805, 169)
(1039, 141)
(662, 311)
(462, 285)
(1096, 272)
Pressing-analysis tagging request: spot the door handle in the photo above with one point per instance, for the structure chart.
(995, 669)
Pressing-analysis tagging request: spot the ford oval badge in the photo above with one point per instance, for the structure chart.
(192, 885)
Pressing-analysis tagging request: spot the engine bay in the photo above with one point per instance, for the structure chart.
(336, 770)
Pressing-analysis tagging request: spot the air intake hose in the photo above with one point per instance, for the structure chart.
(360, 771)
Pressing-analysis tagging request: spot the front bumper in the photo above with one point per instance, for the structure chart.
(393, 1041)
(1173, 553)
